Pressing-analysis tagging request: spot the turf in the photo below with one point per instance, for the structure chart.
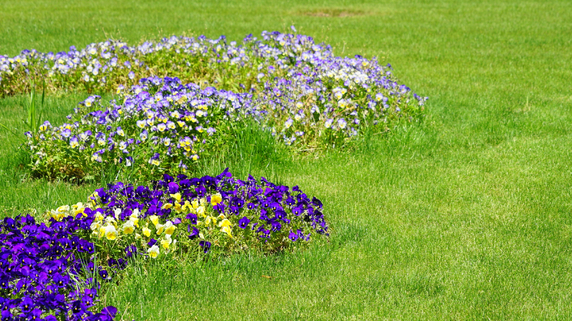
(467, 215)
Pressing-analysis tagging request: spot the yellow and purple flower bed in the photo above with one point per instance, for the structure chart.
(54, 269)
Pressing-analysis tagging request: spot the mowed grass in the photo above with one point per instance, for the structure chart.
(465, 216)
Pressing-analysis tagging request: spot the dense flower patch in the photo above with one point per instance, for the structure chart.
(168, 125)
(299, 90)
(47, 271)
(159, 125)
(181, 215)
(53, 270)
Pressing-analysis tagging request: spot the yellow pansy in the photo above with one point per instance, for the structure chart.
(154, 219)
(215, 199)
(134, 219)
(187, 206)
(78, 208)
(110, 232)
(210, 219)
(128, 227)
(167, 206)
(227, 230)
(94, 226)
(110, 220)
(224, 223)
(160, 228)
(169, 228)
(176, 196)
(56, 216)
(153, 251)
(166, 242)
(146, 232)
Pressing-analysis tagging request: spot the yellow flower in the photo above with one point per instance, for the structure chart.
(98, 217)
(134, 219)
(167, 206)
(201, 211)
(111, 220)
(63, 209)
(94, 226)
(166, 242)
(160, 228)
(227, 230)
(195, 204)
(210, 219)
(224, 223)
(215, 199)
(176, 196)
(187, 206)
(146, 232)
(78, 208)
(56, 215)
(110, 232)
(128, 227)
(154, 219)
(169, 228)
(153, 251)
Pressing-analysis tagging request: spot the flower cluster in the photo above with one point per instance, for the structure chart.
(297, 89)
(220, 214)
(47, 271)
(158, 125)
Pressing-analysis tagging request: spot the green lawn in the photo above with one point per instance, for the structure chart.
(466, 216)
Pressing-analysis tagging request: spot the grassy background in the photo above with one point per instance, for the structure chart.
(467, 216)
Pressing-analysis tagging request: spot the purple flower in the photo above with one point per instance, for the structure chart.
(194, 233)
(205, 245)
(66, 133)
(293, 236)
(243, 222)
(173, 187)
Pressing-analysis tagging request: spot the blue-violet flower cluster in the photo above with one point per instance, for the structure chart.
(47, 271)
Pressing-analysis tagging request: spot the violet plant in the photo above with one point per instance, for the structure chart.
(47, 270)
(53, 270)
(159, 125)
(178, 216)
(297, 89)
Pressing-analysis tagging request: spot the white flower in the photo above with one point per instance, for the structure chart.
(128, 227)
(153, 251)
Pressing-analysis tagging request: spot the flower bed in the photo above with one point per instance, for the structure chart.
(168, 125)
(54, 269)
(221, 214)
(160, 125)
(297, 89)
